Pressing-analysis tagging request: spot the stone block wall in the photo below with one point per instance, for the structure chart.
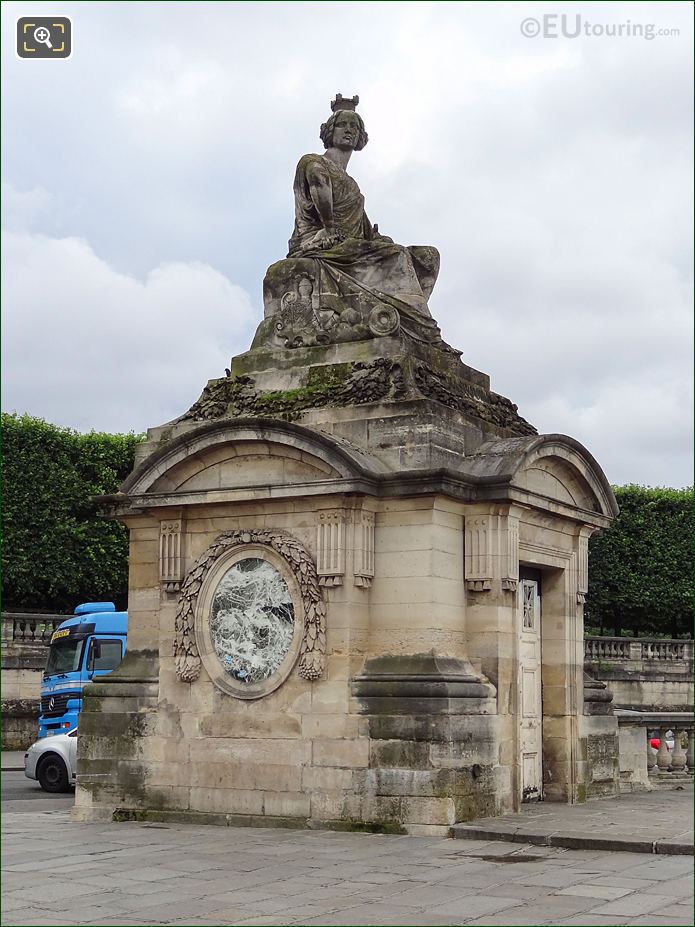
(307, 753)
(644, 674)
(25, 638)
(401, 707)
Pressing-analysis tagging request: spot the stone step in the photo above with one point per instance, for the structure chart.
(638, 823)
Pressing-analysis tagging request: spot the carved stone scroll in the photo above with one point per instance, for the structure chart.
(313, 646)
(330, 548)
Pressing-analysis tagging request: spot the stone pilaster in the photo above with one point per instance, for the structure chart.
(491, 550)
(364, 549)
(330, 547)
(171, 563)
(583, 565)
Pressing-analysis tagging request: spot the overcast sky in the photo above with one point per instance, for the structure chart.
(147, 185)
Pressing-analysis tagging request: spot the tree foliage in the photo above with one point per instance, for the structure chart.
(57, 551)
(640, 570)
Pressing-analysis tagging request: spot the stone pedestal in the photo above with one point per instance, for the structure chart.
(600, 740)
(398, 498)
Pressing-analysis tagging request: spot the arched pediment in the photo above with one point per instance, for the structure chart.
(557, 479)
(552, 467)
(244, 453)
(244, 463)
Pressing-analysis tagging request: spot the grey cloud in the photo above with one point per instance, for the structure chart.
(552, 175)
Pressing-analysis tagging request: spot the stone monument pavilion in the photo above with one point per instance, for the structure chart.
(357, 574)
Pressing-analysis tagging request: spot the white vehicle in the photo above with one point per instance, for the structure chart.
(53, 761)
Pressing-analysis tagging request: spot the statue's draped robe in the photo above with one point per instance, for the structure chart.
(362, 267)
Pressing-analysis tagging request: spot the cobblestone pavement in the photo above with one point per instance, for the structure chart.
(62, 872)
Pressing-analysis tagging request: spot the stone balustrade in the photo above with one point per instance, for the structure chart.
(21, 628)
(644, 674)
(642, 766)
(617, 649)
(25, 640)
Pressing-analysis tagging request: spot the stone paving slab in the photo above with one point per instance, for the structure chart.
(178, 875)
(640, 822)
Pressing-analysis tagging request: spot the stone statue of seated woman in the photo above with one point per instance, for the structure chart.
(342, 280)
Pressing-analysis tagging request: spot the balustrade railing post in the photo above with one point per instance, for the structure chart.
(663, 757)
(678, 755)
(634, 653)
(689, 758)
(652, 769)
(7, 629)
(19, 629)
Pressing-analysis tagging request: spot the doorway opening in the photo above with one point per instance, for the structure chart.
(530, 688)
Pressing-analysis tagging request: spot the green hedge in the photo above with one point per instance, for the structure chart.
(640, 570)
(57, 552)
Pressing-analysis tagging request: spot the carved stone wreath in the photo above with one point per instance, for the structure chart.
(313, 645)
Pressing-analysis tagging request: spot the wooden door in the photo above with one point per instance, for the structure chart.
(530, 691)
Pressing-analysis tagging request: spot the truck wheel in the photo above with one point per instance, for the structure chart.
(52, 774)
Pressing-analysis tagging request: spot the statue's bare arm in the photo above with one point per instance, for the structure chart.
(321, 193)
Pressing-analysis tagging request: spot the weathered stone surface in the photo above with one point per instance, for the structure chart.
(648, 675)
(602, 751)
(388, 377)
(597, 697)
(389, 678)
(20, 722)
(637, 823)
(399, 498)
(342, 280)
(25, 637)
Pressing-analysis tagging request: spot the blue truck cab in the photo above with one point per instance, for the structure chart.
(88, 645)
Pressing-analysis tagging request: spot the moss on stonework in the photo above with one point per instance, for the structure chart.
(471, 807)
(329, 376)
(218, 818)
(294, 400)
(323, 386)
(400, 754)
(362, 827)
(93, 697)
(121, 815)
(181, 816)
(326, 384)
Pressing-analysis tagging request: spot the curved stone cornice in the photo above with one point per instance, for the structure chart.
(503, 469)
(347, 460)
(503, 460)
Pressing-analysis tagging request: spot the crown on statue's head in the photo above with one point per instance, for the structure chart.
(342, 102)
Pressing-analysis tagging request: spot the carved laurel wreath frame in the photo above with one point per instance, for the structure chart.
(313, 646)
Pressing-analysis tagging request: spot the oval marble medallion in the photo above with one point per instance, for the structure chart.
(252, 620)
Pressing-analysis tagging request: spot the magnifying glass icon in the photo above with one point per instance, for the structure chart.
(43, 36)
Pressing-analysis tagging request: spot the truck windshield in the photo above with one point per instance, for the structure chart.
(64, 657)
